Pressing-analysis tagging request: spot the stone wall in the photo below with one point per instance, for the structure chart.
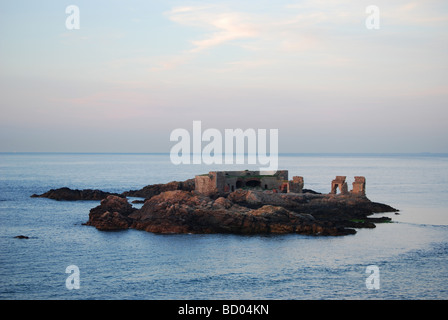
(206, 184)
(228, 181)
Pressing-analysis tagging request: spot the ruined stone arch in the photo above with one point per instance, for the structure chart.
(253, 183)
(339, 183)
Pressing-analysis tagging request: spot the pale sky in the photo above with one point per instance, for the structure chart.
(137, 70)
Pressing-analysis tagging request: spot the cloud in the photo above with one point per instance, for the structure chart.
(323, 33)
(220, 26)
(226, 25)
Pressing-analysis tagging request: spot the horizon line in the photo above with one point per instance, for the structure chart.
(245, 154)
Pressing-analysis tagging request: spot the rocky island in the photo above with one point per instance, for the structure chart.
(238, 202)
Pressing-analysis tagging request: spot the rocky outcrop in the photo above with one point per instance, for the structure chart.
(329, 207)
(155, 189)
(147, 192)
(112, 214)
(241, 212)
(175, 207)
(68, 194)
(187, 212)
(21, 237)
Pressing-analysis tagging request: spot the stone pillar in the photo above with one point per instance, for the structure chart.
(344, 188)
(359, 186)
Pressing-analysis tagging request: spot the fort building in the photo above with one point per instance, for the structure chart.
(227, 181)
(218, 182)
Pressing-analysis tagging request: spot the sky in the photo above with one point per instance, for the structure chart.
(136, 70)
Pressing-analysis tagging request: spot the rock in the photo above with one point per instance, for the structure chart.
(89, 194)
(21, 237)
(322, 206)
(360, 224)
(188, 212)
(72, 195)
(175, 207)
(185, 212)
(222, 202)
(111, 214)
(310, 191)
(155, 189)
(379, 220)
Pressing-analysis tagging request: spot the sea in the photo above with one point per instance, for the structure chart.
(62, 259)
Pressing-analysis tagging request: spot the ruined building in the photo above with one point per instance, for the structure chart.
(216, 182)
(228, 181)
(359, 186)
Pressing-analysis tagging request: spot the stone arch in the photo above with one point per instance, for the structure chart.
(253, 183)
(339, 183)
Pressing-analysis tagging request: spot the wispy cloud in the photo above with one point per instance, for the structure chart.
(306, 37)
(225, 26)
(260, 32)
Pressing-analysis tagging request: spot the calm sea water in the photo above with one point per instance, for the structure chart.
(411, 253)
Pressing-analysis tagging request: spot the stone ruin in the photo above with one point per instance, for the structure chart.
(339, 183)
(359, 186)
(218, 182)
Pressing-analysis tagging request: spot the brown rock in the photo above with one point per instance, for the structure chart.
(155, 189)
(111, 214)
(242, 212)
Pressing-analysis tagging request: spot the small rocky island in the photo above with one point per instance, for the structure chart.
(238, 202)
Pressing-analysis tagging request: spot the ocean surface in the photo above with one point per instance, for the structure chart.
(410, 254)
